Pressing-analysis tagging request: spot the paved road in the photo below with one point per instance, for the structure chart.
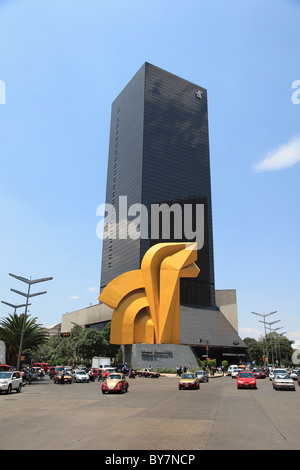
(154, 415)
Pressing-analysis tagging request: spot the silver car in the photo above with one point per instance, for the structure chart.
(273, 372)
(202, 375)
(283, 382)
(81, 376)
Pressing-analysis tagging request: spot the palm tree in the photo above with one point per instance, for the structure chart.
(10, 333)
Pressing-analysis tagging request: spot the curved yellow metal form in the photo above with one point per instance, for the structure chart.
(146, 301)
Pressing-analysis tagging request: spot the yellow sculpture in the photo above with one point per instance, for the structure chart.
(146, 301)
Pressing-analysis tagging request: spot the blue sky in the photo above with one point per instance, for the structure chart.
(62, 63)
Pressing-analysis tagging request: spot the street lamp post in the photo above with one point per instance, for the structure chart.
(264, 315)
(281, 334)
(29, 282)
(13, 305)
(277, 344)
(271, 342)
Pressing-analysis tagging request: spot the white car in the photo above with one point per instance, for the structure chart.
(283, 382)
(294, 374)
(10, 381)
(81, 376)
(232, 368)
(235, 373)
(273, 372)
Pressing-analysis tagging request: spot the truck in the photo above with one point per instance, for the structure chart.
(100, 362)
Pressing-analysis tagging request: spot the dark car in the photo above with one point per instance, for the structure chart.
(123, 368)
(259, 374)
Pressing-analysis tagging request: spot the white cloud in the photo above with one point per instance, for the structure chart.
(246, 332)
(74, 297)
(285, 156)
(93, 289)
(294, 335)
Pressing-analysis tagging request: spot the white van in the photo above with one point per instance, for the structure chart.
(232, 368)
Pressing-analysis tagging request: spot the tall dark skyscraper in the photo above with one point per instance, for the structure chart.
(159, 153)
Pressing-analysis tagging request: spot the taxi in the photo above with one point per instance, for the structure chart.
(188, 380)
(67, 378)
(115, 383)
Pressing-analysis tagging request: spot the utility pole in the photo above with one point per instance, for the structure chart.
(264, 315)
(277, 344)
(29, 282)
(207, 343)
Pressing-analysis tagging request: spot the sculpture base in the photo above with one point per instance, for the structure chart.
(158, 355)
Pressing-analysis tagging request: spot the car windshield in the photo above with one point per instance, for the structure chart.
(80, 372)
(5, 375)
(188, 376)
(200, 372)
(280, 371)
(114, 377)
(282, 376)
(246, 375)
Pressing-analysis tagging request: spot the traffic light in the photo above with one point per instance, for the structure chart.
(65, 335)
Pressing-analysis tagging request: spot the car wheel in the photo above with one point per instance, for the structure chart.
(19, 389)
(8, 391)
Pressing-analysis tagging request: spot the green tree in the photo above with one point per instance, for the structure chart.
(279, 349)
(10, 333)
(112, 350)
(254, 351)
(91, 343)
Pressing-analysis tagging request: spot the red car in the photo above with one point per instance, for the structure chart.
(147, 373)
(106, 372)
(259, 374)
(115, 383)
(246, 380)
